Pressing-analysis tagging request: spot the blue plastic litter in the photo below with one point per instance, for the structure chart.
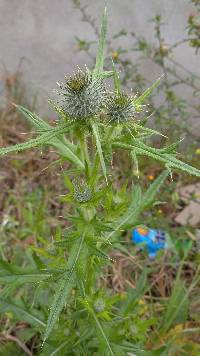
(151, 239)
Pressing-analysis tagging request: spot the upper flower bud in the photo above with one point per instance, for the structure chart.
(120, 108)
(82, 96)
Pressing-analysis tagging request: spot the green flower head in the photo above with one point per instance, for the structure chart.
(82, 96)
(120, 108)
(82, 193)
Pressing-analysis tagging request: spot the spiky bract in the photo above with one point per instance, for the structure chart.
(120, 108)
(82, 96)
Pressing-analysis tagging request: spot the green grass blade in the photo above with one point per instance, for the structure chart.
(63, 287)
(176, 305)
(179, 300)
(102, 43)
(99, 148)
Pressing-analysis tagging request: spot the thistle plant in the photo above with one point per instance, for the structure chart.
(100, 121)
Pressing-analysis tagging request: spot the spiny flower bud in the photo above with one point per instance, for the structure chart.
(120, 108)
(82, 193)
(99, 305)
(82, 96)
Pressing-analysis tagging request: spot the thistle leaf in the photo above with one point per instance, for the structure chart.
(64, 287)
(101, 48)
(99, 148)
(117, 83)
(37, 122)
(29, 277)
(147, 130)
(131, 213)
(35, 142)
(172, 162)
(171, 148)
(13, 274)
(149, 195)
(135, 161)
(49, 137)
(101, 254)
(20, 313)
(139, 101)
(106, 74)
(33, 118)
(139, 203)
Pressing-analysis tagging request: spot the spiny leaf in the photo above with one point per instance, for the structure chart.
(63, 287)
(33, 118)
(13, 274)
(58, 109)
(117, 84)
(106, 74)
(31, 277)
(147, 130)
(102, 43)
(135, 161)
(101, 254)
(139, 101)
(132, 212)
(171, 148)
(47, 138)
(37, 122)
(139, 203)
(172, 162)
(99, 148)
(65, 148)
(149, 195)
(20, 313)
(38, 141)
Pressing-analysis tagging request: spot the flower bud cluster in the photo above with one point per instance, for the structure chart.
(84, 97)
